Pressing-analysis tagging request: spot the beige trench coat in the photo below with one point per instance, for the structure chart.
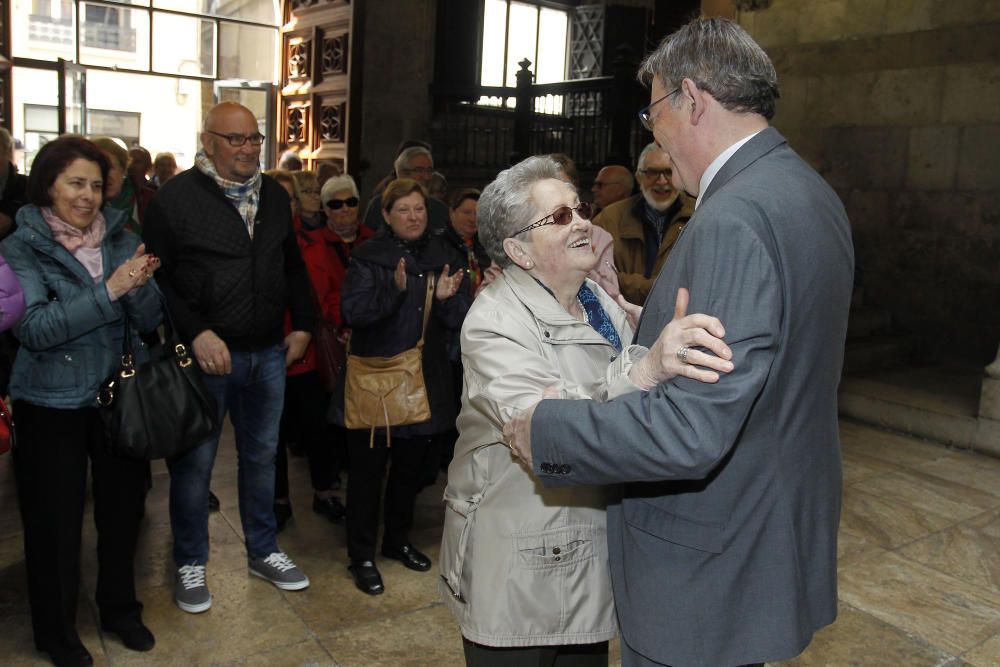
(523, 565)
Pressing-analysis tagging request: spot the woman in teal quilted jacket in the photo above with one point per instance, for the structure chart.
(81, 273)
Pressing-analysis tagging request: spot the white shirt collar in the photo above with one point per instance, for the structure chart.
(716, 166)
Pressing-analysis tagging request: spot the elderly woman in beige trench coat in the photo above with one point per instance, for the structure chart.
(524, 568)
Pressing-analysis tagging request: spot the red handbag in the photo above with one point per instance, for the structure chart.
(6, 428)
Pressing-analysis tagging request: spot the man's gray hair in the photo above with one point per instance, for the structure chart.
(722, 59)
(402, 163)
(335, 184)
(650, 147)
(506, 204)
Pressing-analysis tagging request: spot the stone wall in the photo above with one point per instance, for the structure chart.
(398, 69)
(897, 104)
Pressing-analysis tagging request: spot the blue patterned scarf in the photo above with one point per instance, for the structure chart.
(244, 196)
(597, 317)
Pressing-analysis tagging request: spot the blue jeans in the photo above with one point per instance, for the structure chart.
(252, 394)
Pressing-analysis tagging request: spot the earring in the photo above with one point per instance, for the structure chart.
(528, 264)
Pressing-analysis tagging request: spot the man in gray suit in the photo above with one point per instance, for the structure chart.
(724, 545)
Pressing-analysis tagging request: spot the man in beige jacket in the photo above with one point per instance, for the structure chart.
(646, 226)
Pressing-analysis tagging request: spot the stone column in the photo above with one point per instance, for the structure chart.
(987, 436)
(989, 399)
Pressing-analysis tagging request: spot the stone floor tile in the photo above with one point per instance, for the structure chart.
(248, 616)
(858, 639)
(853, 547)
(986, 654)
(941, 610)
(309, 653)
(887, 523)
(894, 448)
(968, 468)
(932, 494)
(859, 468)
(969, 551)
(416, 639)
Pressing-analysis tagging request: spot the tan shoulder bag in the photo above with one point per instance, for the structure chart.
(388, 391)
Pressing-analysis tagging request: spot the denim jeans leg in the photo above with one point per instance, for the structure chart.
(256, 414)
(190, 476)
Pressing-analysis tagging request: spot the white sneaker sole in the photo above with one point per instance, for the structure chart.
(195, 608)
(283, 585)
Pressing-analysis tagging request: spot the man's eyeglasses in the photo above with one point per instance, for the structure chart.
(237, 140)
(334, 204)
(646, 114)
(655, 174)
(418, 170)
(561, 216)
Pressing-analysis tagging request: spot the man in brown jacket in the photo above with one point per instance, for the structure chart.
(646, 226)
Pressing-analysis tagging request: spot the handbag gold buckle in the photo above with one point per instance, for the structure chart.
(183, 360)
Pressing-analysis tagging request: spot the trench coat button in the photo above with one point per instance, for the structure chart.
(556, 551)
(546, 467)
(546, 334)
(557, 559)
(564, 469)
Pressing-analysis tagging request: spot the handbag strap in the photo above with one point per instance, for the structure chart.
(427, 313)
(427, 307)
(170, 336)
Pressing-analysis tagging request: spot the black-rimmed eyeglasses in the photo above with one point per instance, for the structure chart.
(561, 216)
(237, 140)
(646, 114)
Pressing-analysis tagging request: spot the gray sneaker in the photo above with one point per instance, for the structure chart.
(279, 569)
(190, 590)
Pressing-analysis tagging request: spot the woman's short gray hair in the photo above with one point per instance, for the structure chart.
(336, 184)
(722, 59)
(506, 204)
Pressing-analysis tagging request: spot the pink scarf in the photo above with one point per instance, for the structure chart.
(83, 244)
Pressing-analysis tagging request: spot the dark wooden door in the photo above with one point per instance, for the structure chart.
(320, 82)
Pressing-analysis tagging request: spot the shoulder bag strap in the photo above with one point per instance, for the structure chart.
(428, 302)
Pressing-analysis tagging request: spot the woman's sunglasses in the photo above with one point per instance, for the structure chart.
(334, 204)
(561, 216)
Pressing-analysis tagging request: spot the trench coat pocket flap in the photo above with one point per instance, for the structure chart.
(558, 547)
(459, 518)
(658, 522)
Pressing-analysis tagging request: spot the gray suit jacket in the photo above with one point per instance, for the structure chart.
(724, 546)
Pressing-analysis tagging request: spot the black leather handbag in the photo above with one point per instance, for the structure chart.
(161, 408)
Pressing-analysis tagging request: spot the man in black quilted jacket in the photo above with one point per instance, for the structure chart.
(230, 269)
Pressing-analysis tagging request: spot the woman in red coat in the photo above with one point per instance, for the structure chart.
(306, 400)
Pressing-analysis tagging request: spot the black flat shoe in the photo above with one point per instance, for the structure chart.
(133, 634)
(69, 656)
(366, 577)
(331, 508)
(409, 556)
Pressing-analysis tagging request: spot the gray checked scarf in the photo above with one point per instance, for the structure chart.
(244, 196)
